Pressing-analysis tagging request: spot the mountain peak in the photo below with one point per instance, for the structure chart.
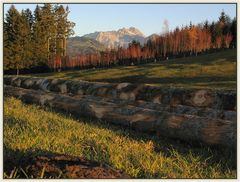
(131, 31)
(121, 37)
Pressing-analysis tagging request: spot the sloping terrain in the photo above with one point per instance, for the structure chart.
(31, 130)
(199, 116)
(215, 70)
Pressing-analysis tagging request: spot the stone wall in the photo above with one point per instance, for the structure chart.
(200, 115)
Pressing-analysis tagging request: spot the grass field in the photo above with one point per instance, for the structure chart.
(216, 70)
(28, 129)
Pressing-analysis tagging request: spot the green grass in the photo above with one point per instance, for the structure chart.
(216, 70)
(29, 129)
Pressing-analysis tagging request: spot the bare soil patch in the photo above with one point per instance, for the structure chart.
(66, 166)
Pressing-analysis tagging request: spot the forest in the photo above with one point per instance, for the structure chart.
(32, 39)
(37, 42)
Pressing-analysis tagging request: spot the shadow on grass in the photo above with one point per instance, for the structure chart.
(201, 60)
(215, 154)
(140, 75)
(206, 59)
(191, 81)
(39, 163)
(212, 156)
(18, 158)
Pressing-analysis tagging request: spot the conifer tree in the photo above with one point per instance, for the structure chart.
(26, 39)
(233, 30)
(64, 29)
(48, 26)
(12, 41)
(38, 38)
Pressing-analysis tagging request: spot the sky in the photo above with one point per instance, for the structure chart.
(148, 18)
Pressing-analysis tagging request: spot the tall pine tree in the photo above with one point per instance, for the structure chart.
(13, 49)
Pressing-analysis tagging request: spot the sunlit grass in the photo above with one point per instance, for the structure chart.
(215, 70)
(28, 129)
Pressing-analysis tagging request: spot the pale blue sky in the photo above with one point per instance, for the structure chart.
(148, 18)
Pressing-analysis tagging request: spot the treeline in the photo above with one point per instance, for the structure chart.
(187, 41)
(32, 39)
(38, 40)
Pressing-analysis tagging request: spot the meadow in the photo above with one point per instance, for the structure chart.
(215, 70)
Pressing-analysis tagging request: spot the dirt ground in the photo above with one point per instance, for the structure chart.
(64, 166)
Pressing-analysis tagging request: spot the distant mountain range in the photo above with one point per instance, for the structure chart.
(99, 41)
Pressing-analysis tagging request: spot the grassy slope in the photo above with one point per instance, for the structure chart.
(30, 129)
(216, 70)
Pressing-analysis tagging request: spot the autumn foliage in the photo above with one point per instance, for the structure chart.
(187, 41)
(38, 39)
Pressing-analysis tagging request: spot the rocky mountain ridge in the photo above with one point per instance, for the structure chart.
(99, 41)
(121, 37)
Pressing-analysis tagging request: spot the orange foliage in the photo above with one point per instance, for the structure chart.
(178, 42)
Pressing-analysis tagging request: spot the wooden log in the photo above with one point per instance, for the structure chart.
(201, 98)
(161, 102)
(180, 126)
(178, 109)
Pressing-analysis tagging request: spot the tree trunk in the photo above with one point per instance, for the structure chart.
(64, 46)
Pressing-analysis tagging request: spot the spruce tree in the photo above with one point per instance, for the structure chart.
(38, 37)
(26, 39)
(13, 50)
(48, 25)
(64, 28)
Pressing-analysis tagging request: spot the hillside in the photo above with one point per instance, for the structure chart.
(144, 156)
(82, 45)
(216, 70)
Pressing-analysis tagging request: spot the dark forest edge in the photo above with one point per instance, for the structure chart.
(36, 42)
